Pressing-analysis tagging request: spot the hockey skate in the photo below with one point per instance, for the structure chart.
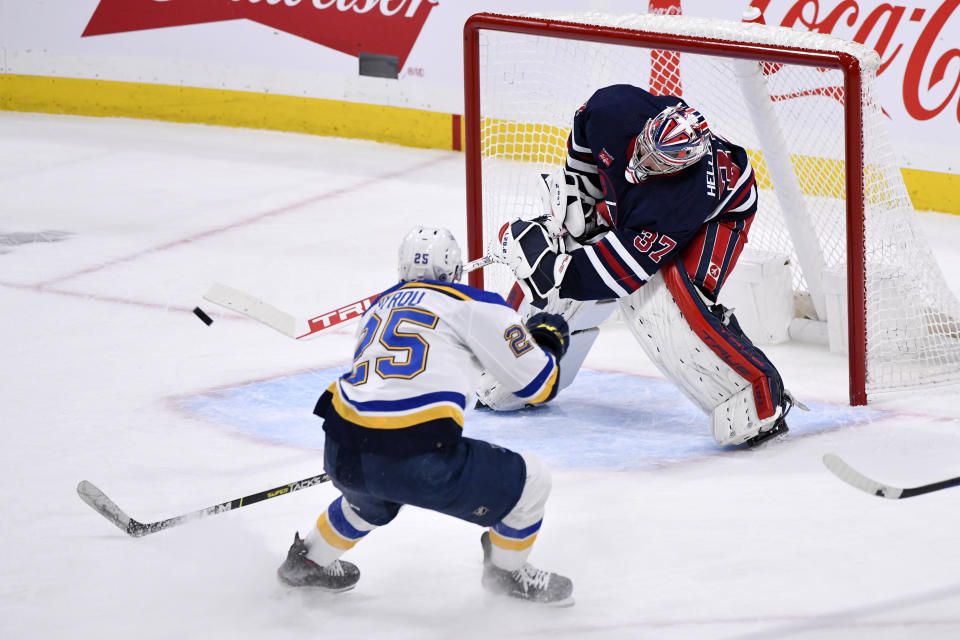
(779, 427)
(525, 583)
(299, 571)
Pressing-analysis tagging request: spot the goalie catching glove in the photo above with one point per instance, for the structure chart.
(570, 201)
(533, 254)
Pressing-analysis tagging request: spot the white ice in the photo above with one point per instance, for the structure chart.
(110, 232)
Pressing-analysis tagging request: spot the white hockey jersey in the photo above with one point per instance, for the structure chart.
(421, 347)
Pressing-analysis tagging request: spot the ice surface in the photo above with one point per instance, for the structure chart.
(110, 232)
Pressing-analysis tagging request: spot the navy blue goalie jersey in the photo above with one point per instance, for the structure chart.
(653, 221)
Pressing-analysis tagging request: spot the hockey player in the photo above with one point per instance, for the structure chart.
(654, 209)
(393, 425)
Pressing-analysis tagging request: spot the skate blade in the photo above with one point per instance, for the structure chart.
(759, 441)
(312, 587)
(561, 604)
(498, 599)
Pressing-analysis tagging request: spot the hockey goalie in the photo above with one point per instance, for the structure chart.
(650, 213)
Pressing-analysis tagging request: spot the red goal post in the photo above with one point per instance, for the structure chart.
(525, 75)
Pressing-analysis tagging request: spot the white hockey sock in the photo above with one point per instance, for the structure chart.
(337, 529)
(512, 538)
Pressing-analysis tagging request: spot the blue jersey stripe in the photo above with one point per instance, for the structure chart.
(339, 522)
(732, 244)
(534, 386)
(709, 246)
(452, 289)
(610, 197)
(617, 265)
(405, 404)
(519, 534)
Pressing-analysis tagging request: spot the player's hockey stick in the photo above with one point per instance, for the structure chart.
(856, 479)
(292, 326)
(106, 507)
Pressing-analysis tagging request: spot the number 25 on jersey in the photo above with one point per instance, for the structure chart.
(408, 351)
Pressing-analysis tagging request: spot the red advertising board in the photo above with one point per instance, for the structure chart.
(386, 27)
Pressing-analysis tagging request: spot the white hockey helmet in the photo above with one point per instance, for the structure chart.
(429, 254)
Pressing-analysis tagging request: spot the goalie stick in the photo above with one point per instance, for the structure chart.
(292, 326)
(106, 507)
(856, 479)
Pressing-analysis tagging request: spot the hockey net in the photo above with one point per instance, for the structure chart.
(831, 197)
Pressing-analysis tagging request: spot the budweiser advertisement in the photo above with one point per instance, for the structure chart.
(388, 27)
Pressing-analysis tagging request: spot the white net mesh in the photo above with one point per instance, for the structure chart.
(791, 120)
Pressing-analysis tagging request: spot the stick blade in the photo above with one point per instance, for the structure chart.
(103, 505)
(255, 308)
(856, 479)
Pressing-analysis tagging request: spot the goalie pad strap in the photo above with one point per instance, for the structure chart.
(728, 342)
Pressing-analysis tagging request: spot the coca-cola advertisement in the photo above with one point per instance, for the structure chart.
(919, 73)
(910, 40)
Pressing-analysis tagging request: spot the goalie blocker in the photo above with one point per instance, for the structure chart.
(533, 253)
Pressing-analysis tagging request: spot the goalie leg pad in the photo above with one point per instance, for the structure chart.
(584, 318)
(735, 421)
(705, 355)
(580, 344)
(582, 314)
(719, 330)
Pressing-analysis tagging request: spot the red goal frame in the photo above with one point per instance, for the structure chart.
(848, 64)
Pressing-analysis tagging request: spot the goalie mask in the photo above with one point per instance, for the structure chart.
(429, 254)
(671, 141)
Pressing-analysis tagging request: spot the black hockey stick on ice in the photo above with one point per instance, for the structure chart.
(106, 507)
(856, 479)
